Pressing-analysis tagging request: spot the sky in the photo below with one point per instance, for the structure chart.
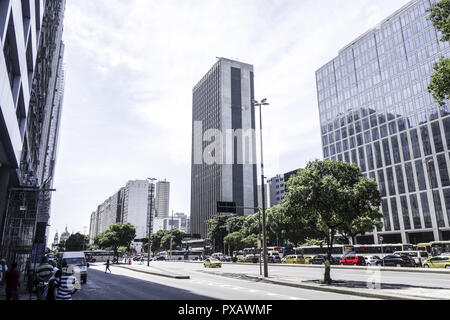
(130, 69)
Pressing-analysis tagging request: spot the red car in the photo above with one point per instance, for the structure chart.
(353, 261)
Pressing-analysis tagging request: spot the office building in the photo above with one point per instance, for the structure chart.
(130, 204)
(375, 111)
(162, 199)
(277, 187)
(31, 98)
(223, 145)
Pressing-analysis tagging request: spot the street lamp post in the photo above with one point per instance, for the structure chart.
(434, 201)
(150, 219)
(261, 104)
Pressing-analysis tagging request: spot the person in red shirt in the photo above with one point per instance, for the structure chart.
(12, 278)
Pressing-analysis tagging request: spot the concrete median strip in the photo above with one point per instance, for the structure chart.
(162, 273)
(392, 269)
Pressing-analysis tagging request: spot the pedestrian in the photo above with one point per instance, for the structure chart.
(107, 266)
(12, 278)
(3, 269)
(50, 288)
(66, 285)
(43, 274)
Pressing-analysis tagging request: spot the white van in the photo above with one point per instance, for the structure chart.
(418, 256)
(77, 260)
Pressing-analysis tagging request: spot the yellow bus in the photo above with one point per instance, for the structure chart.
(440, 247)
(424, 247)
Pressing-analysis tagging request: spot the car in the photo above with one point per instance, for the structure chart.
(252, 258)
(294, 259)
(159, 258)
(273, 257)
(351, 260)
(418, 256)
(373, 260)
(320, 259)
(240, 258)
(397, 260)
(437, 262)
(307, 258)
(212, 263)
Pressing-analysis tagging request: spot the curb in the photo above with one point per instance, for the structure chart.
(156, 274)
(334, 290)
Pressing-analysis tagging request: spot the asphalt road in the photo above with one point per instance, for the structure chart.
(125, 284)
(392, 278)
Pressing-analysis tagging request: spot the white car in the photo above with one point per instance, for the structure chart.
(373, 260)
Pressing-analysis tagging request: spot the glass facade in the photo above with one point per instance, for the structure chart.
(375, 111)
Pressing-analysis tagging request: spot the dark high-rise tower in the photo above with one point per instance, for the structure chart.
(223, 148)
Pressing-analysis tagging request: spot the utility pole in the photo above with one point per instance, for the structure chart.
(171, 236)
(150, 219)
(263, 198)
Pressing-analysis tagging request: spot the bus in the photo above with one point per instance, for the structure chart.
(339, 249)
(381, 249)
(101, 255)
(344, 249)
(440, 247)
(283, 251)
(424, 247)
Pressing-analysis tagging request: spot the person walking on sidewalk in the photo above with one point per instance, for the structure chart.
(107, 266)
(12, 279)
(50, 288)
(66, 284)
(44, 273)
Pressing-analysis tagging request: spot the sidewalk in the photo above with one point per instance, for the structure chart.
(23, 294)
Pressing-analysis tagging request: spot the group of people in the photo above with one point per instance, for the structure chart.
(52, 281)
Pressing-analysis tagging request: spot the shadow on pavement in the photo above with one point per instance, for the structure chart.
(110, 286)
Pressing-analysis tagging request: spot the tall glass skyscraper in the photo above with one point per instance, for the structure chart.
(223, 143)
(375, 111)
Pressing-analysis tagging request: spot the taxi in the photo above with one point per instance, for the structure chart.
(212, 263)
(438, 262)
(294, 259)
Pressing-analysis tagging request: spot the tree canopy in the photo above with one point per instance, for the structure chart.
(440, 81)
(76, 242)
(333, 198)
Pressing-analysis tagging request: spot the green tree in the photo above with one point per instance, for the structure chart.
(235, 241)
(330, 196)
(76, 242)
(117, 235)
(177, 238)
(440, 81)
(217, 231)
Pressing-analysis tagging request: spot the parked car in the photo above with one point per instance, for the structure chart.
(252, 258)
(159, 258)
(418, 256)
(396, 260)
(307, 259)
(212, 263)
(437, 262)
(320, 259)
(273, 257)
(294, 259)
(373, 260)
(352, 260)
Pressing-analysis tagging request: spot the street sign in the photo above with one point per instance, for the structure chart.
(226, 207)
